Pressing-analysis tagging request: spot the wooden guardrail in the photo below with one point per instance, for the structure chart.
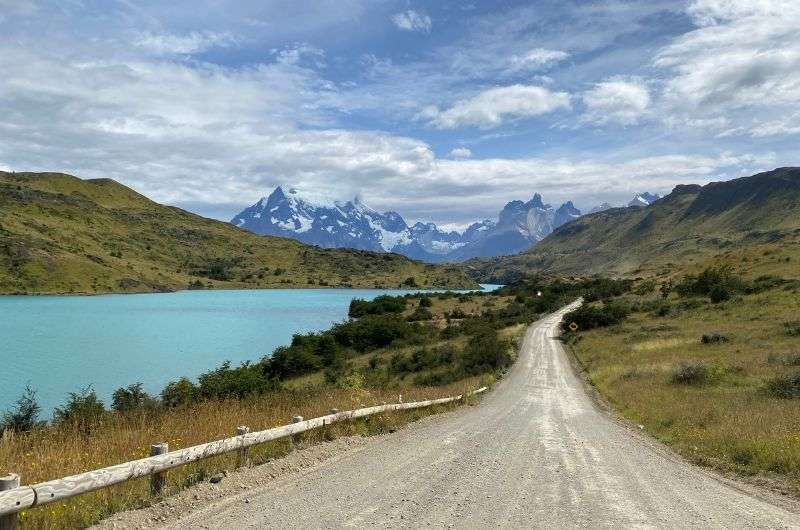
(16, 498)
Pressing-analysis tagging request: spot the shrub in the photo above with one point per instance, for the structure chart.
(485, 352)
(590, 317)
(792, 328)
(645, 287)
(131, 398)
(419, 314)
(83, 410)
(223, 382)
(179, 393)
(379, 306)
(785, 386)
(425, 301)
(718, 283)
(25, 416)
(372, 332)
(713, 338)
(690, 374)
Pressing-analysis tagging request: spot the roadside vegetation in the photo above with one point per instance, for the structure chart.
(418, 346)
(707, 360)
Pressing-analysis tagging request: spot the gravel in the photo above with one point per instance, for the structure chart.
(536, 453)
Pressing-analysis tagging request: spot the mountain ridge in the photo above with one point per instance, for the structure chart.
(60, 234)
(353, 224)
(688, 224)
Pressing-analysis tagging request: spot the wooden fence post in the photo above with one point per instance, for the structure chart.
(158, 480)
(296, 437)
(243, 459)
(9, 482)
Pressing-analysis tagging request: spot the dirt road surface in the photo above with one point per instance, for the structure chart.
(536, 453)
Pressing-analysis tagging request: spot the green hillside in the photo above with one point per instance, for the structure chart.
(61, 234)
(691, 224)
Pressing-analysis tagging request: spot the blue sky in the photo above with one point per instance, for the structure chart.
(439, 110)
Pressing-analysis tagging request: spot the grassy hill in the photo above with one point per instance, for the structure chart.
(691, 224)
(61, 234)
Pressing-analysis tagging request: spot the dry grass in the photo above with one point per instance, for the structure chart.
(55, 453)
(728, 422)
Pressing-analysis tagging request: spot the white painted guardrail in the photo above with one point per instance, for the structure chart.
(16, 498)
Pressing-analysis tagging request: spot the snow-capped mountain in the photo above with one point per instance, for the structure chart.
(520, 225)
(350, 224)
(601, 208)
(644, 199)
(355, 225)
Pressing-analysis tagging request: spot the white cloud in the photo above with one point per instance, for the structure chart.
(194, 42)
(301, 54)
(413, 21)
(618, 100)
(492, 107)
(460, 152)
(536, 59)
(742, 63)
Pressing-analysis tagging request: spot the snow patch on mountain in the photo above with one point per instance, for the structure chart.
(325, 222)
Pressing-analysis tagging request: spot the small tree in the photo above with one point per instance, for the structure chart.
(25, 416)
(83, 410)
(130, 398)
(178, 393)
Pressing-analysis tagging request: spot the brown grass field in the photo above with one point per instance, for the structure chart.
(53, 453)
(729, 422)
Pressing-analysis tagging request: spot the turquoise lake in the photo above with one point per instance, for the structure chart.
(60, 344)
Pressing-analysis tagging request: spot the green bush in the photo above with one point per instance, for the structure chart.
(792, 328)
(224, 382)
(83, 410)
(379, 306)
(25, 415)
(690, 374)
(419, 314)
(718, 283)
(590, 316)
(485, 352)
(130, 398)
(784, 386)
(179, 393)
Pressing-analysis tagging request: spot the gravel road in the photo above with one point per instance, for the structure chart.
(536, 453)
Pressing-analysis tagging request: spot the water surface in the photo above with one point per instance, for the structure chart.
(59, 344)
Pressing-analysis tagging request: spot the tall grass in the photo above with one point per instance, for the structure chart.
(56, 452)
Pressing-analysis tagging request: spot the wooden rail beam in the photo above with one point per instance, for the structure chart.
(22, 497)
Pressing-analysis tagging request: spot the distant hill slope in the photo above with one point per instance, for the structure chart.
(693, 222)
(61, 234)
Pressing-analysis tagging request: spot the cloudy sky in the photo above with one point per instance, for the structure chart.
(441, 110)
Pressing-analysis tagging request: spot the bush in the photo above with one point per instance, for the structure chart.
(713, 338)
(784, 387)
(379, 306)
(419, 314)
(645, 287)
(224, 382)
(690, 374)
(485, 352)
(425, 301)
(179, 393)
(372, 332)
(718, 283)
(25, 416)
(589, 317)
(131, 398)
(83, 410)
(792, 328)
